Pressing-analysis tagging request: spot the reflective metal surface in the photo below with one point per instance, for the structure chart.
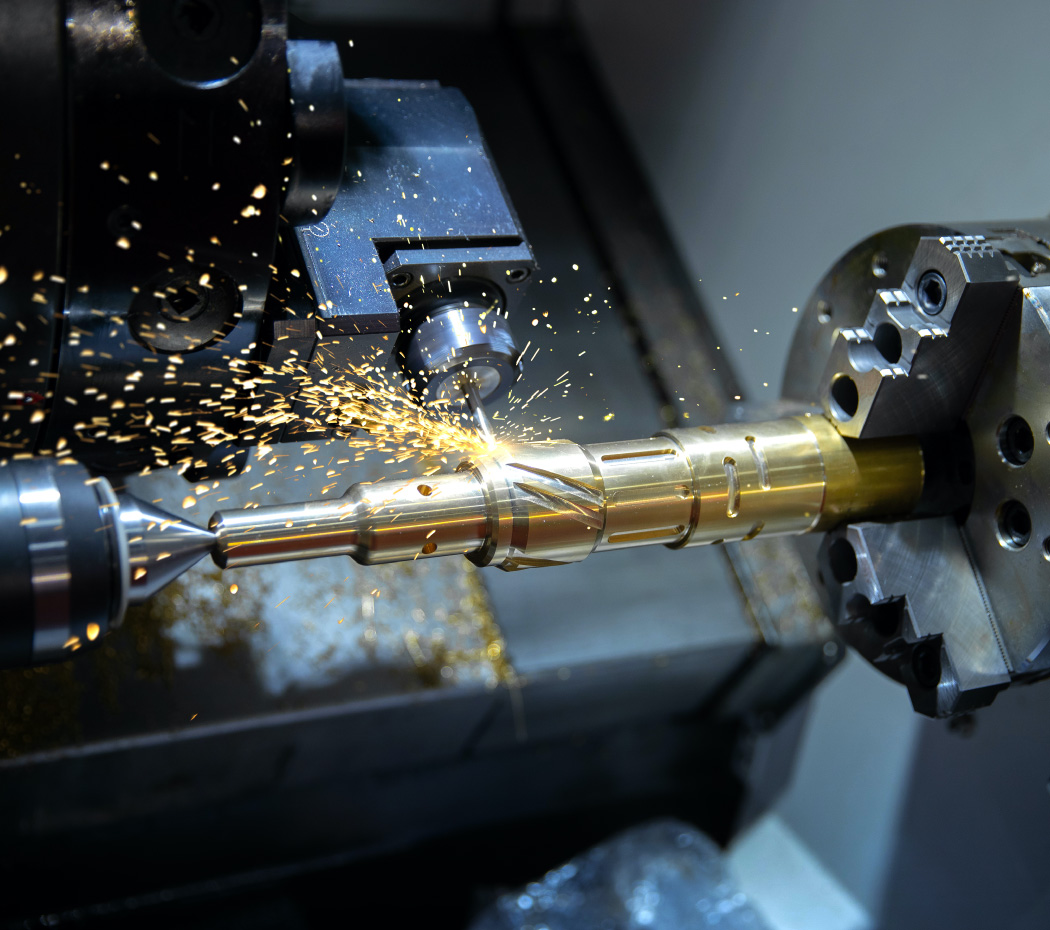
(63, 561)
(916, 608)
(1009, 524)
(74, 554)
(899, 373)
(50, 574)
(551, 503)
(457, 339)
(954, 608)
(160, 546)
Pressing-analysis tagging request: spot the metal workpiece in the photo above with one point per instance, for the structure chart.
(552, 503)
(779, 474)
(388, 521)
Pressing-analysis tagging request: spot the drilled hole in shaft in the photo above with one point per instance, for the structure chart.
(926, 664)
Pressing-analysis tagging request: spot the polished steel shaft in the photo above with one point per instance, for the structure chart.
(551, 503)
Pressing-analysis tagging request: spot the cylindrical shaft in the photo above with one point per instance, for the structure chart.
(550, 503)
(389, 521)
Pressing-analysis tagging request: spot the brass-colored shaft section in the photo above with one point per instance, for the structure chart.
(551, 503)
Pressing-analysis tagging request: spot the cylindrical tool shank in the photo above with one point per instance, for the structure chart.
(552, 503)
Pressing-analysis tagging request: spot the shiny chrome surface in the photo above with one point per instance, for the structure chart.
(42, 518)
(456, 339)
(160, 546)
(69, 587)
(552, 503)
(88, 553)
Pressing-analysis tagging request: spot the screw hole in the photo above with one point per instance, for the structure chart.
(932, 292)
(425, 489)
(517, 275)
(823, 311)
(1016, 442)
(842, 558)
(884, 618)
(887, 340)
(429, 548)
(1014, 525)
(926, 664)
(880, 264)
(857, 607)
(400, 279)
(845, 399)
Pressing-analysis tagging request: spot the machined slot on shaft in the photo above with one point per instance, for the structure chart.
(555, 502)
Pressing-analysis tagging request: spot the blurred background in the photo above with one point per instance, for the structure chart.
(686, 173)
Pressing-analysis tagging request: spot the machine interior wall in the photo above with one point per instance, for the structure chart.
(774, 136)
